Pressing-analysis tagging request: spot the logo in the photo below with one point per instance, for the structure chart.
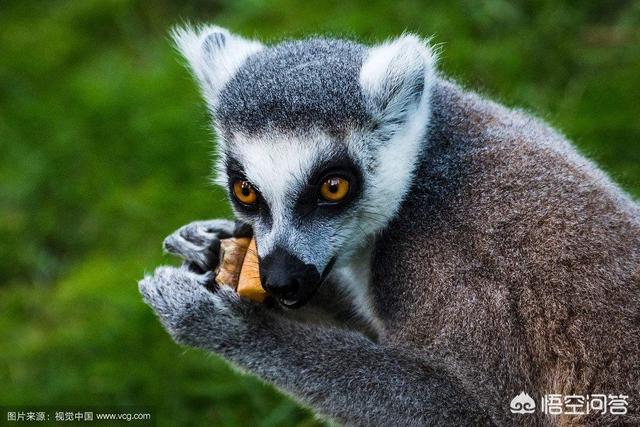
(522, 404)
(571, 404)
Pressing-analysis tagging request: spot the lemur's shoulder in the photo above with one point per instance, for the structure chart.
(496, 153)
(500, 192)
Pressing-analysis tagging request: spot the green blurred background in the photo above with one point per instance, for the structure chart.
(105, 149)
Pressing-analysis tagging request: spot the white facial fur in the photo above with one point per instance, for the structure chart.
(388, 76)
(278, 166)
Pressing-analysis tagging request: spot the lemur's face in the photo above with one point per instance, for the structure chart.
(305, 197)
(316, 141)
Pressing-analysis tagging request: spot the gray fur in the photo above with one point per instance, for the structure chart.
(521, 249)
(513, 265)
(296, 86)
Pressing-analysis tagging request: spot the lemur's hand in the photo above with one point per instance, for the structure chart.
(193, 309)
(198, 243)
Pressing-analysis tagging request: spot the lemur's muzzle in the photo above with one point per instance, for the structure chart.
(289, 279)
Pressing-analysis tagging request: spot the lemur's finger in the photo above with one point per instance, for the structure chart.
(198, 243)
(199, 232)
(222, 227)
(204, 256)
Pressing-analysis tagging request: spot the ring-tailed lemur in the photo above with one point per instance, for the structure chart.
(465, 251)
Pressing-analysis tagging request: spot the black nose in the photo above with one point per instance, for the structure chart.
(285, 276)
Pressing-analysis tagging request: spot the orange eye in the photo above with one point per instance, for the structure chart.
(334, 189)
(244, 192)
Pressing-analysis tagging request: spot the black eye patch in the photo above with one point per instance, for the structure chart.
(309, 203)
(235, 171)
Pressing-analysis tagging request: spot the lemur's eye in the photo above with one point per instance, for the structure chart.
(334, 189)
(244, 192)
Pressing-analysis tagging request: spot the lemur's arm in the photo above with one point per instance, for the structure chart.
(340, 373)
(198, 244)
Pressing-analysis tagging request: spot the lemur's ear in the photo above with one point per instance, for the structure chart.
(214, 55)
(396, 76)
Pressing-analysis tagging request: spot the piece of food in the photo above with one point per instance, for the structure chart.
(239, 268)
(249, 285)
(232, 252)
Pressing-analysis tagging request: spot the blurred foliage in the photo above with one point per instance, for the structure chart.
(105, 149)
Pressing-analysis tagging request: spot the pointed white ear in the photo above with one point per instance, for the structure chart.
(395, 76)
(214, 55)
